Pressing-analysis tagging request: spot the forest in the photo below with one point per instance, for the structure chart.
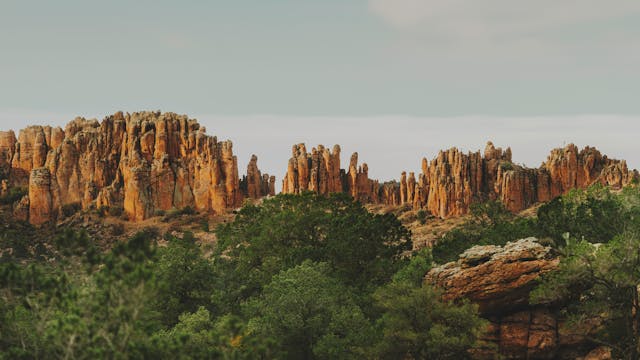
(306, 277)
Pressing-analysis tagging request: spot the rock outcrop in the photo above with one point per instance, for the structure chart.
(453, 180)
(499, 280)
(141, 162)
(320, 172)
(255, 185)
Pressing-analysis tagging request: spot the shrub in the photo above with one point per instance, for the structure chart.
(174, 213)
(116, 210)
(506, 166)
(422, 216)
(71, 209)
(14, 194)
(204, 225)
(117, 229)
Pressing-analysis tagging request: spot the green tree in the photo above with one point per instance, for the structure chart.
(310, 315)
(491, 224)
(362, 249)
(416, 324)
(600, 282)
(185, 278)
(594, 214)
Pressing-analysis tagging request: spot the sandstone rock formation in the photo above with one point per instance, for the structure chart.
(254, 185)
(453, 180)
(142, 162)
(320, 172)
(496, 278)
(499, 280)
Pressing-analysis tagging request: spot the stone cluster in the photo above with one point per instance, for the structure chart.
(142, 162)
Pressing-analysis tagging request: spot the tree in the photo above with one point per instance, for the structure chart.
(185, 278)
(600, 282)
(491, 224)
(310, 315)
(361, 249)
(594, 214)
(416, 324)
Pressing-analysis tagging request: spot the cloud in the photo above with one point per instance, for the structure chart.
(497, 19)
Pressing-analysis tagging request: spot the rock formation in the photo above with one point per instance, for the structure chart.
(254, 185)
(499, 280)
(320, 172)
(142, 162)
(453, 180)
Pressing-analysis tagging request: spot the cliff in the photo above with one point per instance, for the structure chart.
(453, 180)
(141, 162)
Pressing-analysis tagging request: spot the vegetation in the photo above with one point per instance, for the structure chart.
(594, 214)
(14, 194)
(308, 277)
(297, 277)
(491, 224)
(601, 281)
(71, 209)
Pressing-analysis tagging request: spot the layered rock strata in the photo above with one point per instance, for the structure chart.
(141, 162)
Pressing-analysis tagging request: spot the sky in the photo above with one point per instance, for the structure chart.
(395, 80)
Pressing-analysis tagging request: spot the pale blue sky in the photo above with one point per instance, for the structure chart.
(322, 57)
(295, 60)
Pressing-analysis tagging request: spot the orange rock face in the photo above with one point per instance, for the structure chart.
(453, 180)
(320, 172)
(40, 201)
(255, 185)
(144, 162)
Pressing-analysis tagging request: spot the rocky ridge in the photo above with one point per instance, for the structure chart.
(142, 162)
(147, 162)
(453, 180)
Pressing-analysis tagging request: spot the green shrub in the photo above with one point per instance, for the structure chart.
(421, 215)
(204, 225)
(506, 166)
(14, 194)
(71, 209)
(594, 214)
